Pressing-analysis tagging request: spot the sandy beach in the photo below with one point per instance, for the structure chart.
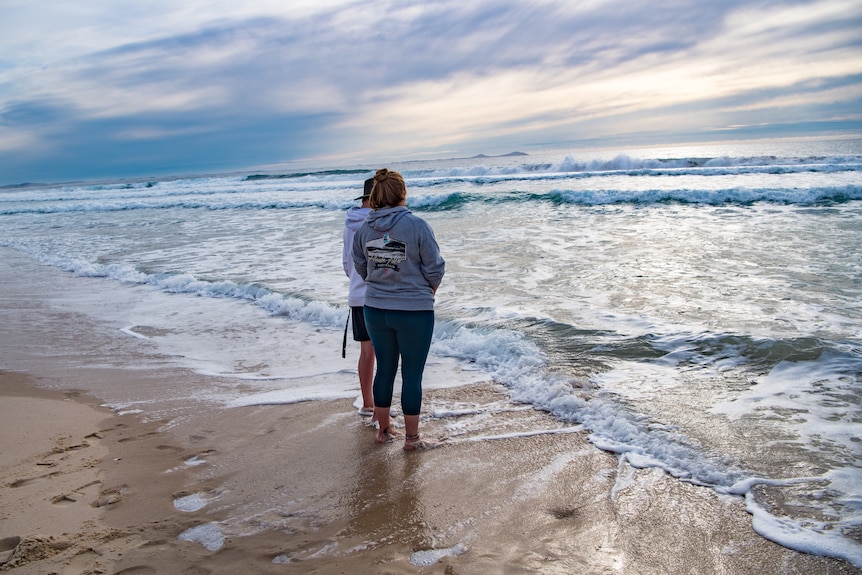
(88, 491)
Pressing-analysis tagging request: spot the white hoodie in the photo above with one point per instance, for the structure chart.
(352, 222)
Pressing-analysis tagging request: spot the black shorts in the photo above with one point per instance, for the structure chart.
(358, 319)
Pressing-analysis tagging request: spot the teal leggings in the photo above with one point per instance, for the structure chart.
(405, 335)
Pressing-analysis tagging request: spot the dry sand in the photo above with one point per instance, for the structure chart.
(89, 491)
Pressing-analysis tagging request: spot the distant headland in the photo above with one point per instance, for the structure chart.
(500, 156)
(476, 157)
(479, 156)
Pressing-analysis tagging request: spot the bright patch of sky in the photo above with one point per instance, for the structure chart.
(103, 89)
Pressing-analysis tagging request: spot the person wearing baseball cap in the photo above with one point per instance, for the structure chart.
(356, 300)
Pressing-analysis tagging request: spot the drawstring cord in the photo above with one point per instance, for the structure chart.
(344, 343)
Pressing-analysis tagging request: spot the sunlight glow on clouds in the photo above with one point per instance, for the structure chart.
(371, 78)
(449, 110)
(818, 97)
(16, 139)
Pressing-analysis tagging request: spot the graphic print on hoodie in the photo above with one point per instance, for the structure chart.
(386, 252)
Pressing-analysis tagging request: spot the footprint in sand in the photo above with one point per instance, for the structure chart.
(138, 437)
(29, 480)
(136, 570)
(76, 447)
(110, 496)
(52, 459)
(87, 492)
(192, 461)
(82, 563)
(8, 546)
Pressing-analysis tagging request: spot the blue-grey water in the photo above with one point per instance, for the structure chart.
(696, 309)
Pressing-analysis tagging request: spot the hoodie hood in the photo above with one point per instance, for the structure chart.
(355, 217)
(384, 219)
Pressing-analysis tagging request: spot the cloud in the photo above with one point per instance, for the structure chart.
(11, 140)
(633, 80)
(211, 81)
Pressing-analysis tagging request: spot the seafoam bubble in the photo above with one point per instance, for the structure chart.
(431, 556)
(209, 535)
(190, 503)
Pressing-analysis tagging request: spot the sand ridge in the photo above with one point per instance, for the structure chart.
(53, 486)
(304, 488)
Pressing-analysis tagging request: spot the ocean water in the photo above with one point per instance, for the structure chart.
(695, 309)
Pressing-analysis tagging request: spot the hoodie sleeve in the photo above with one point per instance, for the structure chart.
(347, 250)
(360, 263)
(431, 262)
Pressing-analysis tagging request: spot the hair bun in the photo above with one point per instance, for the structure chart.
(381, 174)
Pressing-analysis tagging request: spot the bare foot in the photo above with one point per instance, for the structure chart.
(387, 435)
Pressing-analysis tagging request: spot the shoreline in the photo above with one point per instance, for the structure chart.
(122, 494)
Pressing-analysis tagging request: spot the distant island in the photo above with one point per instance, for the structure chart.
(476, 157)
(500, 156)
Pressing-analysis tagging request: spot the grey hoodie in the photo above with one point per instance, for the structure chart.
(397, 255)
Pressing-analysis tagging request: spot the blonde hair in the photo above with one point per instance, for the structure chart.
(389, 189)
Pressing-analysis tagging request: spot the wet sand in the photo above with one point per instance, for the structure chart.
(90, 491)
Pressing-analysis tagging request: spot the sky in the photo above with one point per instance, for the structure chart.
(145, 88)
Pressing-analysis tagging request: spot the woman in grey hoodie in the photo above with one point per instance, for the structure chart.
(397, 255)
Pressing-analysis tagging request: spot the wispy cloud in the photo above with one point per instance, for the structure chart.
(371, 79)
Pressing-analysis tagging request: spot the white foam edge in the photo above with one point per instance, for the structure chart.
(209, 535)
(191, 503)
(429, 557)
(791, 534)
